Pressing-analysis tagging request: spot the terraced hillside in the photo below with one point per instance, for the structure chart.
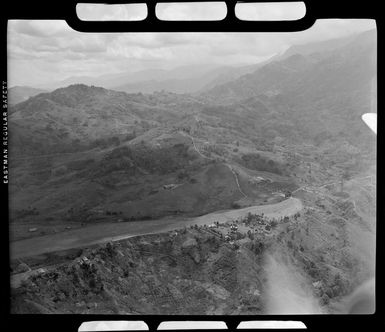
(168, 178)
(205, 269)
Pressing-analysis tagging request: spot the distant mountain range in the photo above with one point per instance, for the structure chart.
(324, 90)
(125, 146)
(330, 83)
(17, 94)
(185, 79)
(85, 161)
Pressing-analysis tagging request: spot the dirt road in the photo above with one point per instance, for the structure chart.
(101, 233)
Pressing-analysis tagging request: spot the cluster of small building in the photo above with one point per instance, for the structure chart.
(251, 225)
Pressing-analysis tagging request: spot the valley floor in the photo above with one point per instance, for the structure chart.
(105, 232)
(315, 261)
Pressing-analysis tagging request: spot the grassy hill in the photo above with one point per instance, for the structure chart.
(294, 120)
(83, 155)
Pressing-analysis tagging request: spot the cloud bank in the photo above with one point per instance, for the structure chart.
(40, 52)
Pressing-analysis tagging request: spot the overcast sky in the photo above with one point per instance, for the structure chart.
(40, 52)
